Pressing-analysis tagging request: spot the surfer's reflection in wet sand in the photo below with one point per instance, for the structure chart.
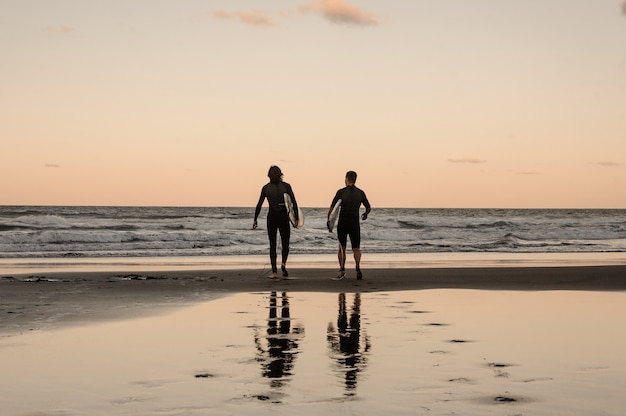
(278, 355)
(345, 343)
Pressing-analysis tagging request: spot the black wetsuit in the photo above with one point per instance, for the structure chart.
(277, 217)
(348, 223)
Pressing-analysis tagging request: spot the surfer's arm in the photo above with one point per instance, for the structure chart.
(257, 210)
(332, 204)
(368, 207)
(328, 219)
(293, 201)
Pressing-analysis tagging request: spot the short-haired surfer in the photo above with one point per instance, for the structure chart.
(348, 224)
(277, 216)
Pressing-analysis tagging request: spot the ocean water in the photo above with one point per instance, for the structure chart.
(31, 232)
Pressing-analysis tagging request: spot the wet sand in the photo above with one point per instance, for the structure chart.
(410, 340)
(48, 300)
(409, 352)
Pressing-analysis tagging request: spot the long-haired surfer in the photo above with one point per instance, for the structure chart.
(348, 224)
(277, 216)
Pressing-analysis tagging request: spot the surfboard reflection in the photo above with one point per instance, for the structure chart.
(278, 349)
(346, 347)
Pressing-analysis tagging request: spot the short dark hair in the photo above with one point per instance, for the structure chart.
(351, 176)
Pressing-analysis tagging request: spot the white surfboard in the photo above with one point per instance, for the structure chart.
(332, 219)
(292, 214)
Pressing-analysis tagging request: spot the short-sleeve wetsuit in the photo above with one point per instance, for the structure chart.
(277, 217)
(348, 223)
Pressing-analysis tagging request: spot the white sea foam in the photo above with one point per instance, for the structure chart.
(31, 232)
(43, 221)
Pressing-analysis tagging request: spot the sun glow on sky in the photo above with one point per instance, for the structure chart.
(479, 103)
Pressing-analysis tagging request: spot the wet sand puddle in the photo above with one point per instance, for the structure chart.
(431, 352)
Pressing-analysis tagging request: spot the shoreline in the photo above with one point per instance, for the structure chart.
(25, 266)
(53, 299)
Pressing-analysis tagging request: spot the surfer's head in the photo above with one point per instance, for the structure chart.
(275, 174)
(350, 177)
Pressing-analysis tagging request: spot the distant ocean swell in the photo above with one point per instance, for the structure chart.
(40, 232)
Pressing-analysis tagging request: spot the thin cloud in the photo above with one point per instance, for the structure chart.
(608, 164)
(52, 166)
(59, 30)
(531, 173)
(467, 160)
(624, 7)
(255, 18)
(340, 12)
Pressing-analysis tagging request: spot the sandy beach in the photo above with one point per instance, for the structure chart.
(410, 340)
(40, 301)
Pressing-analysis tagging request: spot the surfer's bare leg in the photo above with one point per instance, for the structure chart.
(341, 255)
(357, 260)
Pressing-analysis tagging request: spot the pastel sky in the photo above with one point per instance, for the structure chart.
(435, 103)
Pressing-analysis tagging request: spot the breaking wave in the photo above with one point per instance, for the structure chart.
(29, 232)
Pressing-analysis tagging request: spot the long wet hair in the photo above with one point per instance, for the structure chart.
(275, 174)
